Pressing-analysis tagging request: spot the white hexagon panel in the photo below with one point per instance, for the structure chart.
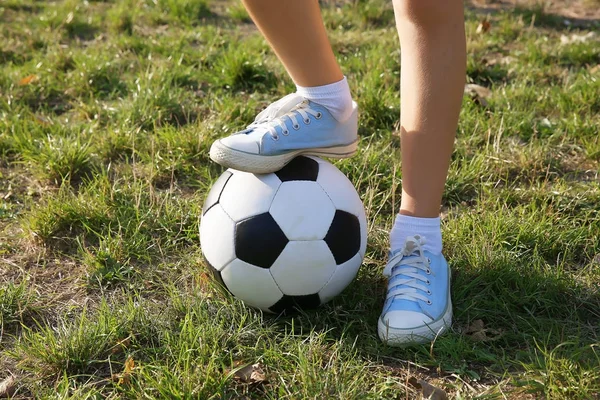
(339, 188)
(342, 277)
(247, 194)
(303, 267)
(216, 237)
(253, 285)
(302, 210)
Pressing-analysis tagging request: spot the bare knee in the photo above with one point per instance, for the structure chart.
(428, 13)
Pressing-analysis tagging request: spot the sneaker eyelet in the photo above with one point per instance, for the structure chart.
(285, 133)
(429, 302)
(296, 127)
(429, 260)
(319, 115)
(428, 271)
(307, 121)
(429, 292)
(428, 282)
(275, 138)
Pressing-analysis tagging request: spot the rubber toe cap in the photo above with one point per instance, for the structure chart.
(243, 143)
(405, 319)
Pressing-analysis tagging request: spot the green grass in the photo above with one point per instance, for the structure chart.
(107, 112)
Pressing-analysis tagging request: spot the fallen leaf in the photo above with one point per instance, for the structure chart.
(479, 333)
(475, 326)
(27, 80)
(499, 60)
(545, 122)
(428, 391)
(506, 60)
(478, 93)
(125, 376)
(575, 38)
(250, 373)
(8, 387)
(483, 27)
(43, 120)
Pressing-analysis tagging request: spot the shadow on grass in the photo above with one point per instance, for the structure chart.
(528, 312)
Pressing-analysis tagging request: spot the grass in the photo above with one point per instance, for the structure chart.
(107, 114)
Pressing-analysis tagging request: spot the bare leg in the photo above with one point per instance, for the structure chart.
(295, 31)
(432, 40)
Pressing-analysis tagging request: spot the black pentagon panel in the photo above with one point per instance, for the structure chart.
(259, 240)
(343, 236)
(289, 304)
(216, 274)
(215, 191)
(299, 169)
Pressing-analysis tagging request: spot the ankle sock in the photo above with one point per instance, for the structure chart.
(428, 228)
(335, 97)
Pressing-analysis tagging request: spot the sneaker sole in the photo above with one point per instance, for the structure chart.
(417, 335)
(259, 164)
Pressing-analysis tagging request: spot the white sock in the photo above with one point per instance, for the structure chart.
(406, 226)
(335, 97)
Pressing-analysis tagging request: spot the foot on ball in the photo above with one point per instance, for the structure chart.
(287, 128)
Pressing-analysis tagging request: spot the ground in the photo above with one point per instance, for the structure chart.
(107, 112)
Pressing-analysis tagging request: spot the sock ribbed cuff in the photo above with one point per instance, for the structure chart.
(332, 89)
(335, 97)
(406, 226)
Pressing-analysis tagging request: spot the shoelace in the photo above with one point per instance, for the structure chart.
(270, 118)
(402, 269)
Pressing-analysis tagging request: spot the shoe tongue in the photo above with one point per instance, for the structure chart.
(413, 246)
(280, 107)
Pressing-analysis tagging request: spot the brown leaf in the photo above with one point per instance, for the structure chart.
(125, 376)
(27, 80)
(40, 119)
(428, 391)
(476, 326)
(250, 373)
(479, 333)
(8, 387)
(484, 26)
(478, 93)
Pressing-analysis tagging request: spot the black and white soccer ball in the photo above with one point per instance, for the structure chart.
(290, 239)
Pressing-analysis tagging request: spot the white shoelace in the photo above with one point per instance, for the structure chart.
(407, 263)
(271, 116)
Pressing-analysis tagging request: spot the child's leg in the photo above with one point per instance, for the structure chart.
(295, 31)
(432, 38)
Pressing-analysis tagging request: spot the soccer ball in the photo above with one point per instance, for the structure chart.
(294, 238)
